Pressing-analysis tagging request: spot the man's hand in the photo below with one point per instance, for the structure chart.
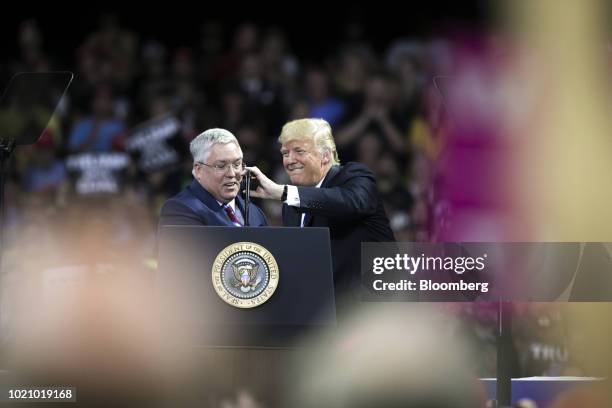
(267, 188)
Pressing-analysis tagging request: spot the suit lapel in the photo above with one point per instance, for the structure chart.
(205, 197)
(240, 204)
(209, 201)
(333, 171)
(293, 218)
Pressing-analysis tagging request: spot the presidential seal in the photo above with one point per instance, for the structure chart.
(245, 274)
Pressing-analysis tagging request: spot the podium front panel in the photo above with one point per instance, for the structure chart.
(303, 300)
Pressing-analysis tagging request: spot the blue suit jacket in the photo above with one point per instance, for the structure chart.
(196, 206)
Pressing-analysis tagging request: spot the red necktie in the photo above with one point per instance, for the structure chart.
(232, 215)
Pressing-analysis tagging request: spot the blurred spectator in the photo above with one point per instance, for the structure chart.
(390, 183)
(245, 41)
(279, 66)
(233, 110)
(539, 335)
(183, 69)
(262, 97)
(101, 131)
(154, 79)
(354, 66)
(256, 149)
(375, 115)
(32, 57)
(70, 268)
(321, 104)
(404, 60)
(389, 356)
(208, 51)
(369, 150)
(427, 128)
(45, 173)
(109, 53)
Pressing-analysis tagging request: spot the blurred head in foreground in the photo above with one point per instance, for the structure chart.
(402, 355)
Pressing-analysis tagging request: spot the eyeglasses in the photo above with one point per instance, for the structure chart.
(223, 167)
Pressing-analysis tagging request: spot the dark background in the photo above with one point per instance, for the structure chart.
(314, 30)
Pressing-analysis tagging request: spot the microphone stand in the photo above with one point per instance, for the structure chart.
(247, 197)
(7, 146)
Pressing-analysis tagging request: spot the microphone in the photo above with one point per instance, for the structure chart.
(247, 197)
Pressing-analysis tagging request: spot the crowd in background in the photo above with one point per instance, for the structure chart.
(135, 104)
(383, 109)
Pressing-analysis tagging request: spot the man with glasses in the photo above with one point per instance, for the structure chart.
(212, 197)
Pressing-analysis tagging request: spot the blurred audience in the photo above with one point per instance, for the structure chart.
(384, 107)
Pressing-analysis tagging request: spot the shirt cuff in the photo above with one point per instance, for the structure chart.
(293, 197)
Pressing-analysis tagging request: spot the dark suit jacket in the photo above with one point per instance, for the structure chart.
(348, 203)
(196, 206)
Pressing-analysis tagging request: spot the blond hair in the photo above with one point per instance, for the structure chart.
(316, 129)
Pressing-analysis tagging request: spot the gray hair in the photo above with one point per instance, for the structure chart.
(200, 146)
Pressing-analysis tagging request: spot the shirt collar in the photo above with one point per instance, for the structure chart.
(231, 204)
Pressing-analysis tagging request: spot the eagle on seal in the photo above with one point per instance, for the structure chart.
(245, 275)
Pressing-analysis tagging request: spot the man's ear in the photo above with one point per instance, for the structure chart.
(325, 159)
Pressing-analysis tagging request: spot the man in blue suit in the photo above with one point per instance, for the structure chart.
(212, 197)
